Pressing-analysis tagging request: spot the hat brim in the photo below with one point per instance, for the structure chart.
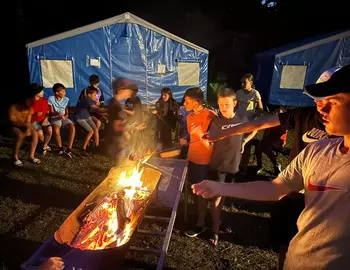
(132, 87)
(319, 91)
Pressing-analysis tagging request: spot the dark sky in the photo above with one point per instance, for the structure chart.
(233, 31)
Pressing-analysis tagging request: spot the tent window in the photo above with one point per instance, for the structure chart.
(161, 69)
(188, 73)
(57, 71)
(293, 77)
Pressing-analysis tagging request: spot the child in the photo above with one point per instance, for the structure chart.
(227, 153)
(59, 118)
(166, 111)
(40, 117)
(83, 116)
(95, 82)
(198, 154)
(20, 115)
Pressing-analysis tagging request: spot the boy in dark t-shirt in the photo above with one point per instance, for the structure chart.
(227, 153)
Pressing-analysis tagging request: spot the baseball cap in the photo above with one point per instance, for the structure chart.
(35, 89)
(333, 81)
(124, 83)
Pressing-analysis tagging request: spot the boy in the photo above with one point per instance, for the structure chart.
(83, 116)
(59, 118)
(40, 117)
(198, 154)
(95, 82)
(20, 115)
(227, 153)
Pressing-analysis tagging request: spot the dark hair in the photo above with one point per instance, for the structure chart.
(195, 93)
(94, 79)
(227, 92)
(249, 77)
(173, 106)
(90, 90)
(57, 87)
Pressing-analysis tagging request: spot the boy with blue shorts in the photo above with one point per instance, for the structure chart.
(59, 118)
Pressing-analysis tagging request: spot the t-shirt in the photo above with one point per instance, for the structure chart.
(115, 112)
(247, 102)
(182, 114)
(323, 238)
(59, 105)
(83, 109)
(227, 152)
(302, 120)
(40, 105)
(198, 152)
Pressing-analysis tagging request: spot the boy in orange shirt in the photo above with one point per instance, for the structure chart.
(199, 154)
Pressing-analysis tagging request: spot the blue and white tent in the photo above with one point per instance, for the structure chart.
(282, 73)
(123, 46)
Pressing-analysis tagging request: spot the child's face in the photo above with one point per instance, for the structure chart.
(190, 104)
(61, 93)
(246, 83)
(226, 106)
(93, 96)
(165, 97)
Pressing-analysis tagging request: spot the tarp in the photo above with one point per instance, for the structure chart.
(282, 73)
(121, 47)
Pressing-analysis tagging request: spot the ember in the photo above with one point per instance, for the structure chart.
(112, 222)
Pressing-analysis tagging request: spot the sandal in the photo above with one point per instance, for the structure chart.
(18, 163)
(34, 161)
(214, 239)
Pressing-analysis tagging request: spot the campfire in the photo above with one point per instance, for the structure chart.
(108, 217)
(112, 221)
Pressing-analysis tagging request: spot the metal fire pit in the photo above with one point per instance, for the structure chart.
(170, 180)
(59, 245)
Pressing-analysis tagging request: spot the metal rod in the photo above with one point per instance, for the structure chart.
(176, 147)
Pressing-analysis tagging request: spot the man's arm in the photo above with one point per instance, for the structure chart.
(53, 112)
(98, 109)
(259, 190)
(247, 127)
(259, 104)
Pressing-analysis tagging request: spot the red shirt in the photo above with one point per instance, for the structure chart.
(40, 105)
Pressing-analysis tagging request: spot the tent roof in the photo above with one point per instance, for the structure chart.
(305, 44)
(123, 18)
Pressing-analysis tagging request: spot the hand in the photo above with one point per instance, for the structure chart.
(183, 141)
(45, 123)
(243, 145)
(39, 113)
(154, 111)
(28, 132)
(207, 189)
(53, 263)
(98, 104)
(63, 117)
(141, 127)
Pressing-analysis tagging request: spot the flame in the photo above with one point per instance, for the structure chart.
(113, 221)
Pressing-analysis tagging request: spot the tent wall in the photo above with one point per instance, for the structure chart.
(123, 50)
(314, 55)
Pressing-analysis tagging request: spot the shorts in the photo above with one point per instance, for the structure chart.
(61, 123)
(38, 125)
(87, 124)
(222, 177)
(21, 128)
(196, 173)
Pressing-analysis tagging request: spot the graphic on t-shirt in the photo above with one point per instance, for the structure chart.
(314, 135)
(319, 188)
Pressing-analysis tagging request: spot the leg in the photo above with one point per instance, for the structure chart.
(88, 138)
(33, 143)
(19, 136)
(47, 137)
(202, 211)
(71, 135)
(216, 208)
(95, 125)
(57, 131)
(40, 135)
(258, 153)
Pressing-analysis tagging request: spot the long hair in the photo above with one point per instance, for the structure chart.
(173, 106)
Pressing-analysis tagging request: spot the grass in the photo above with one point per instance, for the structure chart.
(35, 200)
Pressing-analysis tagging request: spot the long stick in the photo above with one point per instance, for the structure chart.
(175, 147)
(159, 169)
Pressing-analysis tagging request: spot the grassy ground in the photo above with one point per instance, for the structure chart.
(36, 199)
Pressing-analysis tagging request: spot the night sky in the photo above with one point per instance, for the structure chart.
(232, 31)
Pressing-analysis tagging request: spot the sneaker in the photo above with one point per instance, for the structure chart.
(261, 171)
(60, 152)
(197, 230)
(69, 153)
(84, 153)
(48, 148)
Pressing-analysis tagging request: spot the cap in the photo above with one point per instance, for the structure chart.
(123, 83)
(35, 89)
(331, 82)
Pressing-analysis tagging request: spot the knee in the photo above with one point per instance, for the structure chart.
(49, 131)
(57, 131)
(95, 130)
(71, 127)
(98, 124)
